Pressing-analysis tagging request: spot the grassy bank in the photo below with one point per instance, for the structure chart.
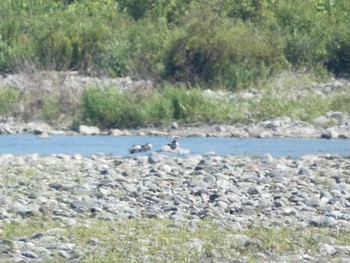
(220, 43)
(110, 108)
(286, 96)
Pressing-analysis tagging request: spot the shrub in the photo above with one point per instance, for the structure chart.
(9, 98)
(110, 108)
(340, 102)
(60, 36)
(137, 9)
(184, 105)
(224, 43)
(213, 49)
(191, 106)
(271, 105)
(304, 29)
(4, 56)
(50, 111)
(145, 50)
(171, 10)
(339, 52)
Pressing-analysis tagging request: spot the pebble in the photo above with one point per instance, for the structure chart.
(276, 191)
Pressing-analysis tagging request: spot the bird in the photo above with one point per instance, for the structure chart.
(146, 147)
(173, 144)
(136, 148)
(173, 147)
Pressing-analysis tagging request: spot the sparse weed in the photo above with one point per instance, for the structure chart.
(162, 240)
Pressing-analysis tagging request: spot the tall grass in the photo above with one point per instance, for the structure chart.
(113, 108)
(110, 108)
(184, 105)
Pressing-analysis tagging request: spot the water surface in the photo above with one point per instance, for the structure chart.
(90, 145)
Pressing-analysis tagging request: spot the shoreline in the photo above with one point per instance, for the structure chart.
(268, 129)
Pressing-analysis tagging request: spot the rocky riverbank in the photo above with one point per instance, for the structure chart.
(46, 202)
(37, 87)
(278, 128)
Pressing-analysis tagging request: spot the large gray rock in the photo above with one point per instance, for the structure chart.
(323, 221)
(156, 158)
(321, 121)
(88, 130)
(326, 249)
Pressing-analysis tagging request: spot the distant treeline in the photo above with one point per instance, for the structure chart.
(222, 43)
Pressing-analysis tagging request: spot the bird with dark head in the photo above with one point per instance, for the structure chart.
(136, 148)
(146, 147)
(174, 144)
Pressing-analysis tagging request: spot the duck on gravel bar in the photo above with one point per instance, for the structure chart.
(137, 148)
(174, 144)
(146, 147)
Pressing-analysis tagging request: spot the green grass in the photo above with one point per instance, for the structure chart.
(158, 240)
(112, 108)
(27, 228)
(306, 109)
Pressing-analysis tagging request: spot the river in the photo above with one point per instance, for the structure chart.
(110, 145)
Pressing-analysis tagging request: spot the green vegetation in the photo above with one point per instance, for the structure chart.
(9, 99)
(156, 240)
(112, 108)
(219, 44)
(227, 43)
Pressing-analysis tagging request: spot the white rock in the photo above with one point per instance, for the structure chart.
(321, 121)
(44, 135)
(116, 132)
(326, 249)
(88, 130)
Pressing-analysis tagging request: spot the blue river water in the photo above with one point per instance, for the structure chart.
(109, 145)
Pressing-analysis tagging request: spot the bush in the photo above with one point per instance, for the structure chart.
(60, 36)
(110, 108)
(340, 102)
(50, 111)
(183, 105)
(4, 57)
(339, 52)
(9, 98)
(145, 50)
(214, 50)
(171, 10)
(224, 43)
(304, 30)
